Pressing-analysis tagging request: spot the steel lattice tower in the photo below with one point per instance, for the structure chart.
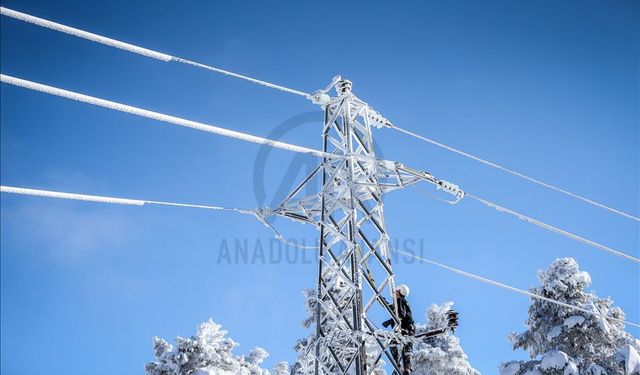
(354, 262)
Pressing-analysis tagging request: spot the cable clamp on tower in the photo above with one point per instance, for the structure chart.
(320, 97)
(451, 188)
(265, 211)
(378, 120)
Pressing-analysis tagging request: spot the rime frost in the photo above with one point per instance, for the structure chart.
(562, 342)
(441, 355)
(208, 352)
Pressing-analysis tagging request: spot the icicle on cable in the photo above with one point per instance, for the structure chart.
(136, 49)
(511, 288)
(554, 229)
(515, 173)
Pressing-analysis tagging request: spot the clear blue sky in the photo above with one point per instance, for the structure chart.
(546, 87)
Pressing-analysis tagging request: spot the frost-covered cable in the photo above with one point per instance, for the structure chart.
(141, 202)
(179, 121)
(136, 49)
(511, 288)
(236, 75)
(255, 139)
(112, 200)
(168, 58)
(159, 116)
(553, 228)
(515, 173)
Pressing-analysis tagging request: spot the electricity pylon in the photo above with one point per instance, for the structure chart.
(354, 262)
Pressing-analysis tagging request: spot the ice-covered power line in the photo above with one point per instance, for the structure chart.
(73, 196)
(198, 125)
(112, 200)
(514, 173)
(144, 202)
(158, 116)
(552, 228)
(511, 288)
(169, 58)
(249, 138)
(136, 49)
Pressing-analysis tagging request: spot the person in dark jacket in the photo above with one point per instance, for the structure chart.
(407, 327)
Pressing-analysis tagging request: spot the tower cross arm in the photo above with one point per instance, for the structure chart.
(387, 176)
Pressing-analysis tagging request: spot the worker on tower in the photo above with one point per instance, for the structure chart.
(407, 327)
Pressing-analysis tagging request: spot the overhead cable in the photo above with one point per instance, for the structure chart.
(111, 200)
(514, 173)
(513, 289)
(552, 228)
(141, 202)
(136, 49)
(169, 58)
(181, 121)
(159, 116)
(237, 135)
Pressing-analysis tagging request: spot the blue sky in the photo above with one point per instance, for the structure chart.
(549, 88)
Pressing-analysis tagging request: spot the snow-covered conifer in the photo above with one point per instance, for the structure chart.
(208, 352)
(564, 341)
(442, 354)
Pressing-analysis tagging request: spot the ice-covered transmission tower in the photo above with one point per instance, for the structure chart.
(354, 262)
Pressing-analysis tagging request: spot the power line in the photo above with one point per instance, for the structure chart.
(240, 136)
(178, 120)
(514, 173)
(136, 49)
(536, 222)
(159, 116)
(112, 200)
(511, 288)
(552, 228)
(140, 202)
(249, 138)
(169, 58)
(143, 202)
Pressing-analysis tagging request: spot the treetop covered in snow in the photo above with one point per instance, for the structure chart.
(563, 341)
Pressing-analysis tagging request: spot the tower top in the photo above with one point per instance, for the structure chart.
(344, 86)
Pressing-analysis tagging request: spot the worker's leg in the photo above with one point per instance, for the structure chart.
(395, 354)
(407, 353)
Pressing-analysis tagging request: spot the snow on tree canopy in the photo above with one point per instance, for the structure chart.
(565, 342)
(440, 355)
(208, 352)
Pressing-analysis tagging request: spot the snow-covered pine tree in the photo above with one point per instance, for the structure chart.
(442, 354)
(208, 352)
(282, 368)
(564, 341)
